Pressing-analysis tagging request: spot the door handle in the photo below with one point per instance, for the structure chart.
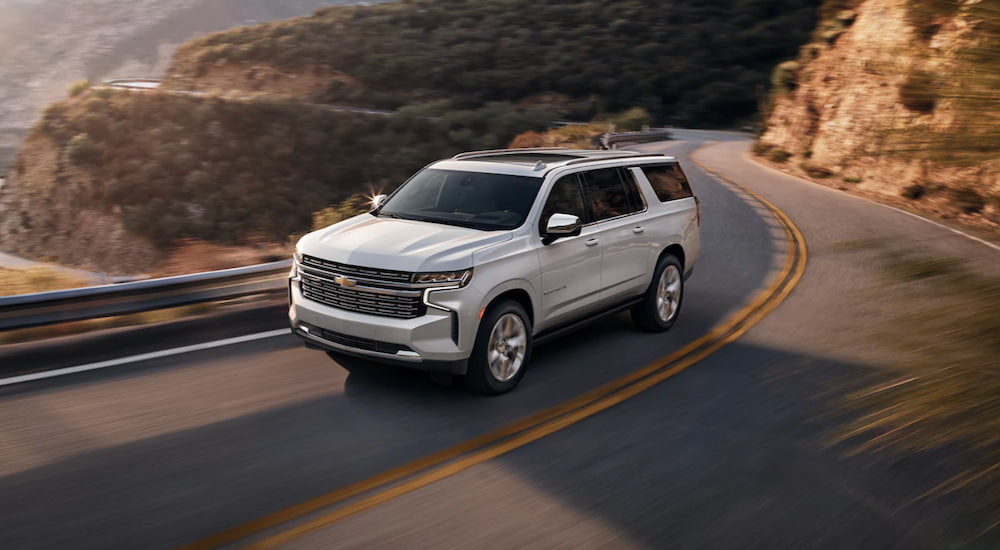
(591, 242)
(638, 229)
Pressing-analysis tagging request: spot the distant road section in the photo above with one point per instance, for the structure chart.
(133, 83)
(145, 84)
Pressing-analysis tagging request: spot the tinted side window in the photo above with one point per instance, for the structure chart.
(607, 194)
(635, 200)
(566, 197)
(668, 182)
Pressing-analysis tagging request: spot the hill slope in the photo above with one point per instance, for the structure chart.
(685, 61)
(109, 179)
(47, 44)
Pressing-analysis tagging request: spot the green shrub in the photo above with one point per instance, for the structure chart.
(761, 148)
(815, 171)
(830, 35)
(778, 155)
(347, 208)
(918, 93)
(914, 191)
(103, 93)
(808, 153)
(78, 87)
(632, 120)
(846, 17)
(852, 180)
(967, 199)
(81, 150)
(784, 78)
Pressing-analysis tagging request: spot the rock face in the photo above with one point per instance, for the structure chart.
(887, 99)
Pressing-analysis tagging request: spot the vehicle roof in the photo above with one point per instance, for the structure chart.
(538, 161)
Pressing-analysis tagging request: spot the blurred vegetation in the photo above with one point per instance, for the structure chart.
(179, 167)
(778, 155)
(37, 279)
(690, 63)
(78, 87)
(632, 120)
(784, 77)
(347, 208)
(946, 397)
(573, 136)
(815, 171)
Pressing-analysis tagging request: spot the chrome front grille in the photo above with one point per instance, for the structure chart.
(385, 275)
(369, 294)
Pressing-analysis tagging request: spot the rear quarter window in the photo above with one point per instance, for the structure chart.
(668, 181)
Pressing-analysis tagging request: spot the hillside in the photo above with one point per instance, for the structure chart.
(47, 44)
(687, 62)
(108, 180)
(898, 98)
(113, 180)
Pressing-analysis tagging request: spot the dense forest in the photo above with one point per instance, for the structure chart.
(687, 62)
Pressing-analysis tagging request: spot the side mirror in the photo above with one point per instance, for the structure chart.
(561, 225)
(377, 200)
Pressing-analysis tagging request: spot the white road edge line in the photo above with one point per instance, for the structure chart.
(141, 357)
(747, 157)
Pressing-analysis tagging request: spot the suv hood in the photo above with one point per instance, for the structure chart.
(403, 245)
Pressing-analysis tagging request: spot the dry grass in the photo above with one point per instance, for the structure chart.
(948, 398)
(194, 256)
(571, 136)
(37, 279)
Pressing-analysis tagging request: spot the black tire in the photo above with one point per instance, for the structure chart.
(480, 377)
(648, 314)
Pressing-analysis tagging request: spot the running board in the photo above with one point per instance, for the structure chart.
(554, 333)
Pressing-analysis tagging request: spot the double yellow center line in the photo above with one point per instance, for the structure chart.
(452, 460)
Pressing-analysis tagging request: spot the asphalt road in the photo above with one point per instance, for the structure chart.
(730, 453)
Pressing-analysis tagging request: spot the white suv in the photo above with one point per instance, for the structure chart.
(477, 257)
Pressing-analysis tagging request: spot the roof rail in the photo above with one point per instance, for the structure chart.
(614, 157)
(492, 152)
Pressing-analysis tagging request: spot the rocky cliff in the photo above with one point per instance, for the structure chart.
(898, 98)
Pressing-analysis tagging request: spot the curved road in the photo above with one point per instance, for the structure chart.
(730, 453)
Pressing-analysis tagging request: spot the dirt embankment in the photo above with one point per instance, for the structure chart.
(897, 98)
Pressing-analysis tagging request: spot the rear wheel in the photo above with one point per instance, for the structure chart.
(502, 349)
(658, 310)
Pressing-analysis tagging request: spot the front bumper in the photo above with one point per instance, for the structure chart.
(424, 343)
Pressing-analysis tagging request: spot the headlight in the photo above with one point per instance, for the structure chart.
(449, 278)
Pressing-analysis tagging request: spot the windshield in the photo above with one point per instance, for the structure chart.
(468, 199)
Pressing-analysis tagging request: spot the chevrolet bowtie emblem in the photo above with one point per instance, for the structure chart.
(344, 281)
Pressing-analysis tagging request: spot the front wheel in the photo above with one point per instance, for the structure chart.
(661, 305)
(502, 349)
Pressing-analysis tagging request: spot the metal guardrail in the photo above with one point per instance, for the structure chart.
(60, 306)
(610, 140)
